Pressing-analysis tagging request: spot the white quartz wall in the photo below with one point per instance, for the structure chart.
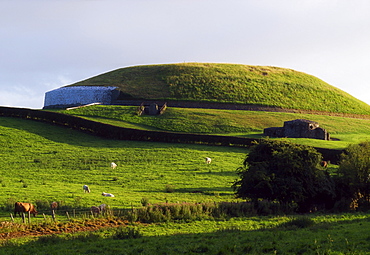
(79, 95)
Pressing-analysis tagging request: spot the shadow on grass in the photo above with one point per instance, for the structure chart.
(345, 237)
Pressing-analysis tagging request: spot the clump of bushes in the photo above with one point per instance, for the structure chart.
(126, 233)
(197, 211)
(169, 188)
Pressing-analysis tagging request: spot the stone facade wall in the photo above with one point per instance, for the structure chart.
(79, 95)
(299, 128)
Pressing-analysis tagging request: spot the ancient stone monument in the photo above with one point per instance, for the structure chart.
(298, 128)
(152, 109)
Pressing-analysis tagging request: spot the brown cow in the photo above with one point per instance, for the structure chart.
(24, 208)
(54, 205)
(324, 164)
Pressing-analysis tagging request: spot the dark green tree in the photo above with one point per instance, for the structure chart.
(285, 172)
(354, 176)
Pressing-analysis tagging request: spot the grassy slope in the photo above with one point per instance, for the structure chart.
(259, 85)
(49, 163)
(229, 122)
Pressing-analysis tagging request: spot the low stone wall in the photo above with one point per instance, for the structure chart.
(78, 95)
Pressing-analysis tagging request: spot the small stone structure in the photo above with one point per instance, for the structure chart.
(152, 109)
(298, 128)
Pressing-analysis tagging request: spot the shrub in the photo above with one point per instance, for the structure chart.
(169, 188)
(144, 201)
(285, 172)
(126, 233)
(8, 204)
(42, 204)
(353, 179)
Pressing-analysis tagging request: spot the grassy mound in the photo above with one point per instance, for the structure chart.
(231, 83)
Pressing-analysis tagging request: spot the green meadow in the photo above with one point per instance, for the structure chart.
(43, 163)
(343, 130)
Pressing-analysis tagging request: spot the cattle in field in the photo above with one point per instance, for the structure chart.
(208, 160)
(107, 194)
(20, 207)
(95, 210)
(102, 207)
(113, 165)
(54, 205)
(324, 164)
(86, 189)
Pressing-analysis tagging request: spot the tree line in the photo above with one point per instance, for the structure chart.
(292, 175)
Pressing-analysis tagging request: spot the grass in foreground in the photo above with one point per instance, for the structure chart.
(332, 234)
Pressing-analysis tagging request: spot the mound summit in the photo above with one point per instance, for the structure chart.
(236, 84)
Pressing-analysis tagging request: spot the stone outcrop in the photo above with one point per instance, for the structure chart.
(298, 128)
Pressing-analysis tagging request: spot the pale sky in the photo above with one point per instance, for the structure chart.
(47, 44)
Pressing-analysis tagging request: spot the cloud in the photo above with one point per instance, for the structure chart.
(43, 41)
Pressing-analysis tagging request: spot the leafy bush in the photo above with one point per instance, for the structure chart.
(126, 233)
(285, 172)
(42, 204)
(353, 179)
(169, 188)
(144, 201)
(8, 204)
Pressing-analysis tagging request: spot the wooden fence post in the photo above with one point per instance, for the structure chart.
(53, 215)
(11, 216)
(68, 216)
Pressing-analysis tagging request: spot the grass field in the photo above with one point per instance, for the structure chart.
(326, 234)
(43, 163)
(343, 130)
(49, 163)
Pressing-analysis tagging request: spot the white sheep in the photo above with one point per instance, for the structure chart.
(208, 160)
(86, 189)
(107, 194)
(113, 165)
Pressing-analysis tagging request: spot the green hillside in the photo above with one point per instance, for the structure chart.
(232, 83)
(343, 130)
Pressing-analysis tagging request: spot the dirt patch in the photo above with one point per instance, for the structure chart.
(11, 230)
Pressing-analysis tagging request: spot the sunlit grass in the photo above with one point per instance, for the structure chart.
(44, 162)
(232, 83)
(343, 130)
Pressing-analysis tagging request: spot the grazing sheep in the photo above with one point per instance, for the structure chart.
(95, 210)
(208, 160)
(86, 189)
(103, 207)
(107, 194)
(113, 165)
